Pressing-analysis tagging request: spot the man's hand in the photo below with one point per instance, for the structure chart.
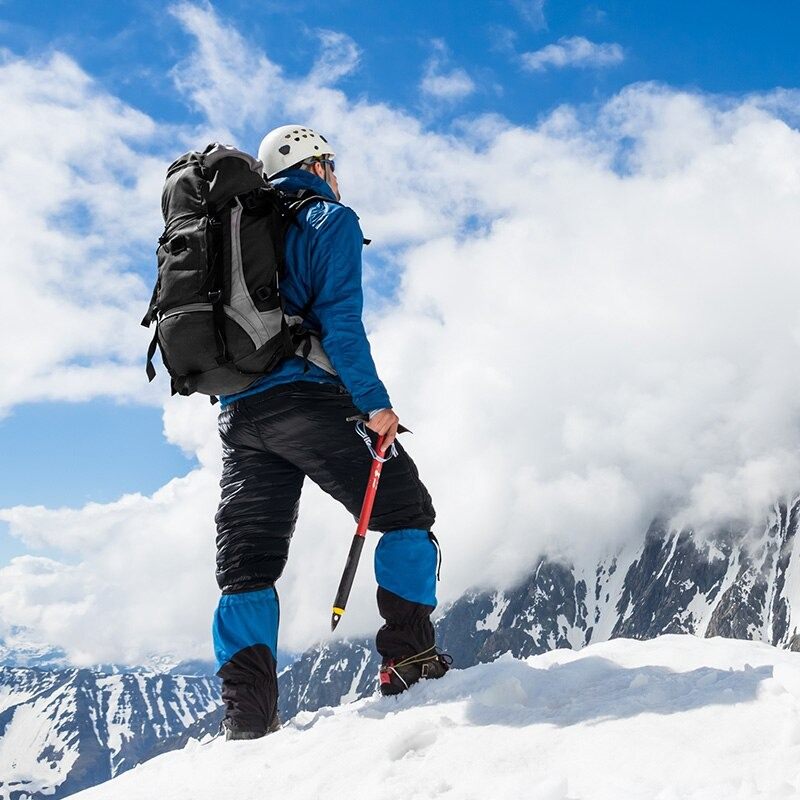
(385, 423)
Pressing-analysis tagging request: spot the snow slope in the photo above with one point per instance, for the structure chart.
(675, 718)
(733, 583)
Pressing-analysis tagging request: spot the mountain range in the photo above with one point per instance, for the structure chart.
(64, 729)
(732, 583)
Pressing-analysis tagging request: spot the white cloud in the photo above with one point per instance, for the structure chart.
(573, 51)
(443, 84)
(532, 11)
(594, 323)
(222, 57)
(453, 85)
(77, 202)
(339, 56)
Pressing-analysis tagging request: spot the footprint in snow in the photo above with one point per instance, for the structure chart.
(412, 744)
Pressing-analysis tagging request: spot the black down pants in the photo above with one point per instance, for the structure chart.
(271, 442)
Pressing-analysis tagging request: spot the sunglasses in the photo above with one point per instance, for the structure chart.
(329, 162)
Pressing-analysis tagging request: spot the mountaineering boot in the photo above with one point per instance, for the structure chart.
(232, 733)
(397, 675)
(407, 641)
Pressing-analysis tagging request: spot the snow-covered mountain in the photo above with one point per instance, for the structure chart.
(64, 730)
(675, 718)
(727, 584)
(20, 649)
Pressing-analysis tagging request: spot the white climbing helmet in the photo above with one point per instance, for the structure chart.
(288, 145)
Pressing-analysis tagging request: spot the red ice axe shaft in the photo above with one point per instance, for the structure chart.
(357, 546)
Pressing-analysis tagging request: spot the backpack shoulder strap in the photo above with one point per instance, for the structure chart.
(303, 199)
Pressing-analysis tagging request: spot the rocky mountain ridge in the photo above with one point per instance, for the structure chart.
(728, 584)
(64, 730)
(72, 728)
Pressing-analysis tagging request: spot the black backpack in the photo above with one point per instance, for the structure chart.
(220, 324)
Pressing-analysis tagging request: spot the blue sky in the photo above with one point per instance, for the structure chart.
(131, 45)
(444, 65)
(67, 454)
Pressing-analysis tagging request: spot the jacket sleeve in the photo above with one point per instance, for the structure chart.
(335, 277)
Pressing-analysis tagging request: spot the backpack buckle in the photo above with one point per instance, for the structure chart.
(214, 296)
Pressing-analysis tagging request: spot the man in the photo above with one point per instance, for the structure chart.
(293, 423)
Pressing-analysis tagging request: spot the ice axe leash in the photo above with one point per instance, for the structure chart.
(353, 557)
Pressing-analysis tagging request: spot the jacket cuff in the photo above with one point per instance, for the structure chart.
(376, 399)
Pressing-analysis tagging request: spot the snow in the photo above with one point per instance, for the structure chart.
(28, 733)
(791, 591)
(609, 578)
(181, 709)
(492, 620)
(575, 636)
(352, 692)
(11, 696)
(676, 718)
(119, 712)
(669, 560)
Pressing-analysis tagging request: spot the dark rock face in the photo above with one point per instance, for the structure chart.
(327, 676)
(661, 584)
(758, 604)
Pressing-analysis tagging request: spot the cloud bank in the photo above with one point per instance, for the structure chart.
(595, 321)
(79, 203)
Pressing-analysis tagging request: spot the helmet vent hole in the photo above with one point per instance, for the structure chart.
(284, 149)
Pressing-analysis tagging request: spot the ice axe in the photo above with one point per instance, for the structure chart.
(353, 557)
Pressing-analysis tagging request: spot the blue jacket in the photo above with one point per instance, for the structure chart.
(323, 262)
